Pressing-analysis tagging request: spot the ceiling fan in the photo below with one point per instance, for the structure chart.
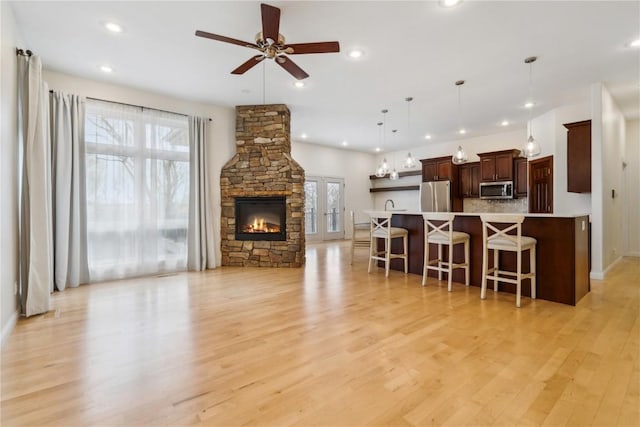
(271, 45)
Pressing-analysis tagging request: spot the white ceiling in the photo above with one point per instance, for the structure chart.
(416, 49)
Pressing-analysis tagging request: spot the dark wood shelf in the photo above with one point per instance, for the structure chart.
(401, 174)
(400, 188)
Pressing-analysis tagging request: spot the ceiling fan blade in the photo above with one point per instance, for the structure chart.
(226, 39)
(270, 22)
(252, 62)
(291, 67)
(319, 47)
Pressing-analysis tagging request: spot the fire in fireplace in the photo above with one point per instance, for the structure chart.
(261, 218)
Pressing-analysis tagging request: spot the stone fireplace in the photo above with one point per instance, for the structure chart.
(262, 193)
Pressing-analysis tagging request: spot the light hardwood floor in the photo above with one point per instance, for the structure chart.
(327, 344)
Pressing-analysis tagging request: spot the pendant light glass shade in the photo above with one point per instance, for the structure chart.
(394, 173)
(531, 147)
(409, 162)
(385, 165)
(459, 157)
(383, 168)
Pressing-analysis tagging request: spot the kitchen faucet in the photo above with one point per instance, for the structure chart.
(387, 201)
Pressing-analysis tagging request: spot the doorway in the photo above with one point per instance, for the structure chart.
(324, 208)
(541, 185)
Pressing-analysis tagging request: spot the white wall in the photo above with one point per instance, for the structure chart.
(221, 130)
(8, 169)
(631, 177)
(354, 167)
(608, 148)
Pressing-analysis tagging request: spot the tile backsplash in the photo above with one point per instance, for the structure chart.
(495, 206)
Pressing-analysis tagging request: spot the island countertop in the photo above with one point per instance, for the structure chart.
(526, 215)
(562, 266)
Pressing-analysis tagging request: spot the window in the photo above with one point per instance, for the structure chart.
(137, 182)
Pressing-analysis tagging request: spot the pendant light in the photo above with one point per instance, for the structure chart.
(394, 173)
(409, 162)
(460, 156)
(383, 168)
(531, 148)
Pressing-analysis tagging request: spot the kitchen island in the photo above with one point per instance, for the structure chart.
(562, 253)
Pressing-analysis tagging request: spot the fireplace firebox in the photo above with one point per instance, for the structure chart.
(261, 218)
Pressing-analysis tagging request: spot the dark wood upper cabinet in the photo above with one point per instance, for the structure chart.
(541, 185)
(469, 179)
(437, 169)
(429, 171)
(520, 177)
(497, 165)
(579, 156)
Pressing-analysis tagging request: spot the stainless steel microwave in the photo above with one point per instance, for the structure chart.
(496, 190)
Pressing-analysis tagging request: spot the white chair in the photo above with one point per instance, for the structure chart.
(438, 229)
(381, 229)
(503, 239)
(360, 236)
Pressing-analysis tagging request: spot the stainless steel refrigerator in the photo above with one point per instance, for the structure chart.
(435, 196)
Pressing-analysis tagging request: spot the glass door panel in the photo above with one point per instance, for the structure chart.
(324, 208)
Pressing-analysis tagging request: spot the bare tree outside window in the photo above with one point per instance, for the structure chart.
(137, 190)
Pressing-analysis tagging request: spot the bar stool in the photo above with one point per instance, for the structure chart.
(381, 229)
(438, 229)
(502, 239)
(360, 236)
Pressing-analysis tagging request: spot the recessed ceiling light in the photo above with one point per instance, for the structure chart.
(427, 137)
(449, 3)
(378, 149)
(635, 43)
(462, 131)
(528, 104)
(345, 143)
(303, 136)
(299, 84)
(106, 69)
(504, 123)
(113, 27)
(355, 53)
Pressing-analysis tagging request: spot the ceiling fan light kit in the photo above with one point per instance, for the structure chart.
(272, 45)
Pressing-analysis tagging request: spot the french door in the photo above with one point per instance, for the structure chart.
(324, 208)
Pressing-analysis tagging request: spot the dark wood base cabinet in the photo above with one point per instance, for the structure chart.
(562, 254)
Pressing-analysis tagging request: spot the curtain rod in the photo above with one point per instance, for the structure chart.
(136, 106)
(23, 52)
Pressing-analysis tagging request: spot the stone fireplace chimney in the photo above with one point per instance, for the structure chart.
(262, 167)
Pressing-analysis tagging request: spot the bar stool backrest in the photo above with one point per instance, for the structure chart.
(381, 224)
(502, 235)
(442, 231)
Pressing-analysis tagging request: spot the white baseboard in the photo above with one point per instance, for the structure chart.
(596, 275)
(8, 328)
(600, 275)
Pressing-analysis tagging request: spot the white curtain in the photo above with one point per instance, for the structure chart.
(137, 166)
(69, 201)
(36, 228)
(201, 252)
